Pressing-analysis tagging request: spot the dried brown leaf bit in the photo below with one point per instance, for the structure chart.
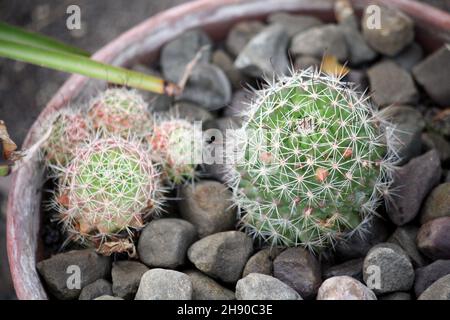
(9, 150)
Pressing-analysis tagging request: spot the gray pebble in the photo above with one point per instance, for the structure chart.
(161, 284)
(178, 53)
(208, 86)
(352, 268)
(407, 128)
(433, 239)
(357, 245)
(438, 120)
(427, 275)
(207, 205)
(437, 204)
(205, 288)
(405, 237)
(344, 288)
(305, 62)
(396, 31)
(433, 140)
(96, 289)
(265, 54)
(387, 269)
(391, 84)
(164, 242)
(294, 23)
(256, 286)
(56, 271)
(126, 276)
(358, 50)
(261, 262)
(433, 74)
(240, 34)
(439, 290)
(412, 183)
(409, 57)
(300, 270)
(221, 59)
(189, 111)
(317, 41)
(222, 255)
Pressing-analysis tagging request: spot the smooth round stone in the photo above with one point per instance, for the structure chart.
(222, 255)
(256, 286)
(387, 269)
(344, 288)
(433, 238)
(300, 270)
(164, 242)
(207, 205)
(395, 32)
(162, 284)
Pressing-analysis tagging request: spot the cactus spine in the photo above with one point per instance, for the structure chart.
(316, 161)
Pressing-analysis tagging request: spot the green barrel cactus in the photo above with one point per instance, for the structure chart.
(120, 111)
(106, 192)
(316, 161)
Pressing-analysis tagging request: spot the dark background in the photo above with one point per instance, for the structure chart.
(25, 89)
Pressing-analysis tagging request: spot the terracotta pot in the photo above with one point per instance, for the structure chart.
(144, 42)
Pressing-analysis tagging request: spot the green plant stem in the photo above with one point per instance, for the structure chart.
(18, 35)
(84, 66)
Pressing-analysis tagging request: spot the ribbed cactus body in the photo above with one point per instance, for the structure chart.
(109, 187)
(68, 130)
(172, 143)
(120, 111)
(315, 162)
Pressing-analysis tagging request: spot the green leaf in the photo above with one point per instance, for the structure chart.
(82, 65)
(18, 35)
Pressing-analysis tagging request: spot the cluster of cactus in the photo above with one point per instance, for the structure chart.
(111, 161)
(316, 161)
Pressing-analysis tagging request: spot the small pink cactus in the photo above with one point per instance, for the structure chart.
(69, 129)
(107, 191)
(172, 142)
(120, 111)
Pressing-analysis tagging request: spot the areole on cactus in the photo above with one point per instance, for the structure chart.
(317, 161)
(106, 191)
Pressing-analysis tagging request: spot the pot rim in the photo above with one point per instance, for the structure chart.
(143, 39)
